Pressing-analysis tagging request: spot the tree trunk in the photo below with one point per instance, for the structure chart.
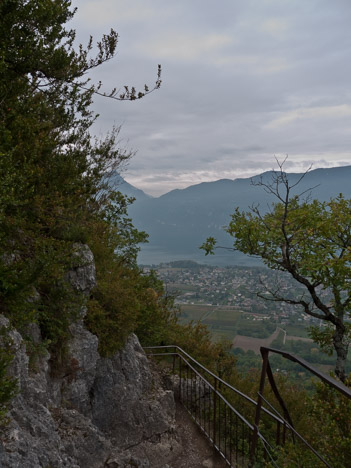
(341, 349)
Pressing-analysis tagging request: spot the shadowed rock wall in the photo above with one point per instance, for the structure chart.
(102, 412)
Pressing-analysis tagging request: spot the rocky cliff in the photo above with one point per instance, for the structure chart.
(102, 412)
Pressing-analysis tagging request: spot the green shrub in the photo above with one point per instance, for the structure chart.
(8, 385)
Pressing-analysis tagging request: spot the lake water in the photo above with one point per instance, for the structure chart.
(150, 255)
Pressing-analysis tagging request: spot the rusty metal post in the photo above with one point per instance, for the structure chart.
(215, 412)
(225, 431)
(258, 407)
(230, 438)
(180, 378)
(278, 433)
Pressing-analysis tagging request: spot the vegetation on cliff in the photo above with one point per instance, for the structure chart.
(55, 192)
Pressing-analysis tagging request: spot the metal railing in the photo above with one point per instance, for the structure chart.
(213, 404)
(232, 420)
(267, 371)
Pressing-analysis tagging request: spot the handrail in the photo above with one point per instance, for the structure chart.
(223, 382)
(211, 404)
(244, 420)
(240, 416)
(226, 428)
(296, 433)
(341, 387)
(266, 370)
(206, 370)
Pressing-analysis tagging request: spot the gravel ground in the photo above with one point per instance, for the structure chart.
(198, 452)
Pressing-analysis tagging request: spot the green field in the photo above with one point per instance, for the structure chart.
(250, 334)
(226, 323)
(296, 330)
(221, 322)
(191, 312)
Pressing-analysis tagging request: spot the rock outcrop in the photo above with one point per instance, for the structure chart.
(102, 412)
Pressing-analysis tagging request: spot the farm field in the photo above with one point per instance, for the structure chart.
(239, 327)
(191, 312)
(300, 338)
(247, 343)
(226, 323)
(221, 321)
(296, 331)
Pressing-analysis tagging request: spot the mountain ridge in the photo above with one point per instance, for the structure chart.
(128, 189)
(179, 221)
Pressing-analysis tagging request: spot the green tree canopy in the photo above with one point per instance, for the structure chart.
(311, 240)
(53, 171)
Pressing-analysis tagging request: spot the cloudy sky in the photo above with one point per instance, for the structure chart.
(243, 81)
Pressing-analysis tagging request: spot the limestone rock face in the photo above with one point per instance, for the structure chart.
(104, 412)
(83, 276)
(101, 412)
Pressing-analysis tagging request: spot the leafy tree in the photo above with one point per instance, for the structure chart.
(325, 425)
(54, 189)
(311, 240)
(53, 173)
(8, 385)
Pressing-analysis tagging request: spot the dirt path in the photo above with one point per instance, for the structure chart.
(197, 453)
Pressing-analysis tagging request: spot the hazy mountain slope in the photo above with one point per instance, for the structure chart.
(179, 221)
(118, 183)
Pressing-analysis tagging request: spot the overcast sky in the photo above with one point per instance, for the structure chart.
(243, 81)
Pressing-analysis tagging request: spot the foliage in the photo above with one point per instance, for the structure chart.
(158, 315)
(311, 240)
(113, 305)
(195, 339)
(8, 385)
(329, 416)
(294, 456)
(255, 329)
(54, 191)
(125, 299)
(49, 166)
(331, 432)
(53, 172)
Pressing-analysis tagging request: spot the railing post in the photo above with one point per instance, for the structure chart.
(215, 412)
(278, 433)
(213, 400)
(258, 407)
(180, 378)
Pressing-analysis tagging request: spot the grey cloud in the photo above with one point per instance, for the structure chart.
(237, 104)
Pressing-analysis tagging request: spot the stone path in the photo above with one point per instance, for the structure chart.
(198, 452)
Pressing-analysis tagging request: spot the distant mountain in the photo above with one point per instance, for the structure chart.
(118, 183)
(179, 221)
